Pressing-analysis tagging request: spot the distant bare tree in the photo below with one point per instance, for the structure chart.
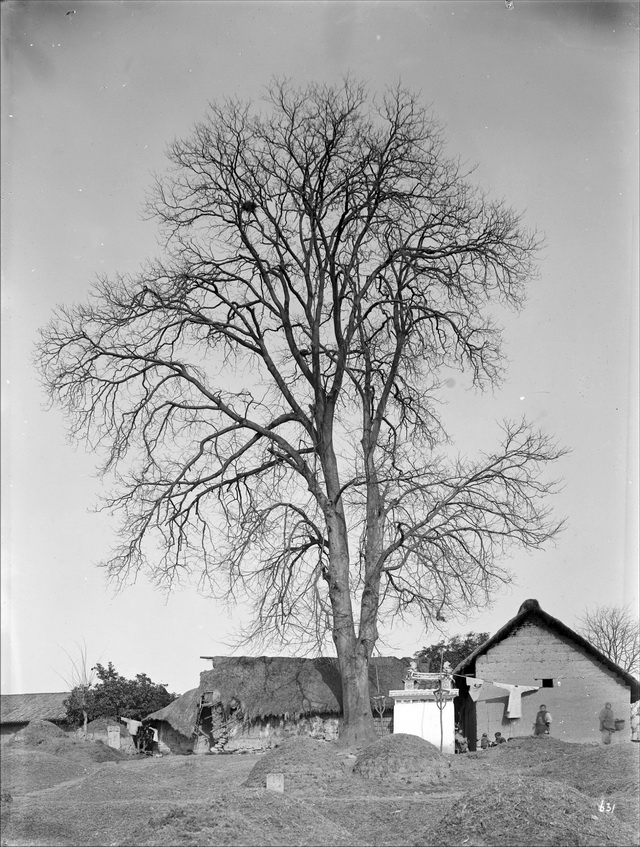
(79, 680)
(615, 631)
(267, 394)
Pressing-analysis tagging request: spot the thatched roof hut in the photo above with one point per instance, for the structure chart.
(17, 710)
(22, 708)
(269, 686)
(181, 713)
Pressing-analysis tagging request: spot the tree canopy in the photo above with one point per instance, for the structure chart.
(114, 696)
(266, 393)
(452, 650)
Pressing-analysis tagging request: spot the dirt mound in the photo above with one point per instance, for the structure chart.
(47, 737)
(24, 770)
(403, 758)
(243, 819)
(101, 725)
(541, 748)
(91, 751)
(529, 812)
(304, 762)
(38, 732)
(597, 771)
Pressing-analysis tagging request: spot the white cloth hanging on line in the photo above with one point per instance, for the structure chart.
(482, 689)
(132, 725)
(475, 687)
(514, 706)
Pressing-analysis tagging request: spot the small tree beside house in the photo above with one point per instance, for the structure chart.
(114, 696)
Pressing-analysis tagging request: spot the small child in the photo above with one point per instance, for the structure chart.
(484, 741)
(500, 739)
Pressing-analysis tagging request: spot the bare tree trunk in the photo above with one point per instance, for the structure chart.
(358, 722)
(358, 726)
(353, 653)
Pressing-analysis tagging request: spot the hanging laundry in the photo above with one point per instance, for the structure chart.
(482, 689)
(475, 687)
(132, 725)
(514, 706)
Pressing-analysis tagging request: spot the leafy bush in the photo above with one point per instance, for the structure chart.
(113, 695)
(453, 651)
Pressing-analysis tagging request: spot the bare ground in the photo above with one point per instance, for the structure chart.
(529, 792)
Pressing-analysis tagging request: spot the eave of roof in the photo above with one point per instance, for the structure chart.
(22, 708)
(531, 610)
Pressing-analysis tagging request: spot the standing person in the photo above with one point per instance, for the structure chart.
(607, 725)
(542, 725)
(484, 741)
(461, 745)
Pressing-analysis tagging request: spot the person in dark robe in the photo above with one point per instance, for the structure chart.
(607, 724)
(542, 725)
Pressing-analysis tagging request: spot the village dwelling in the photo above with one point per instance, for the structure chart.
(535, 660)
(266, 698)
(17, 710)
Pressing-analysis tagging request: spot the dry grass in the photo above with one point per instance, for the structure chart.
(306, 764)
(404, 759)
(529, 812)
(524, 792)
(38, 732)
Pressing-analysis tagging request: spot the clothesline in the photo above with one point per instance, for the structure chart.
(492, 681)
(514, 705)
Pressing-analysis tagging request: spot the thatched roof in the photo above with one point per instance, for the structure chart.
(531, 612)
(21, 708)
(181, 713)
(276, 686)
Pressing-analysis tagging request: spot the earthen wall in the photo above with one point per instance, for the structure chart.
(579, 688)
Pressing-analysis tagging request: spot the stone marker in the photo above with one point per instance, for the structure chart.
(275, 782)
(113, 737)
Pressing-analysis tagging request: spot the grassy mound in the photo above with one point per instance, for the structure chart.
(529, 812)
(243, 819)
(541, 748)
(23, 770)
(36, 733)
(597, 770)
(101, 724)
(42, 755)
(606, 773)
(304, 762)
(403, 758)
(91, 751)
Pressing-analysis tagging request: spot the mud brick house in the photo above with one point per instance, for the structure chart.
(17, 710)
(535, 659)
(277, 697)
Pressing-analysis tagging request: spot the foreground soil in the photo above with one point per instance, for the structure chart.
(528, 792)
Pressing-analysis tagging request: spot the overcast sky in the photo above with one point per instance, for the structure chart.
(543, 97)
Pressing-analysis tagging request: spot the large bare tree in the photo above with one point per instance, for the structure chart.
(267, 391)
(615, 631)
